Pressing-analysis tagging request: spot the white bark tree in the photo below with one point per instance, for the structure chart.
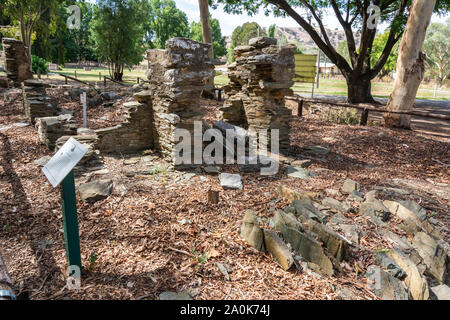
(410, 65)
(207, 37)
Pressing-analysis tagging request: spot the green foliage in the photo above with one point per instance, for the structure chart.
(39, 64)
(219, 42)
(271, 31)
(200, 257)
(342, 116)
(378, 46)
(92, 261)
(342, 49)
(242, 34)
(117, 36)
(391, 16)
(162, 21)
(437, 50)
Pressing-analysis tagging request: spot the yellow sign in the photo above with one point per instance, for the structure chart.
(305, 68)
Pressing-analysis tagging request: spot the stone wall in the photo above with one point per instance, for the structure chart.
(260, 78)
(134, 134)
(17, 65)
(36, 104)
(176, 79)
(51, 129)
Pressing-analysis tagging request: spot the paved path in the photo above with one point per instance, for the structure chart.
(440, 128)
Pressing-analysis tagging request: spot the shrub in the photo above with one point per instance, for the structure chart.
(39, 64)
(342, 116)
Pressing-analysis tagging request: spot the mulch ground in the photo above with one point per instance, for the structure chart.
(135, 244)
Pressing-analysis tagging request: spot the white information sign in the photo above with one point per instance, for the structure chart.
(64, 161)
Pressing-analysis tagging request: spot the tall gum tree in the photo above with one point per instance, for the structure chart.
(410, 65)
(353, 16)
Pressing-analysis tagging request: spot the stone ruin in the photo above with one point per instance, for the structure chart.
(36, 104)
(176, 79)
(260, 78)
(17, 65)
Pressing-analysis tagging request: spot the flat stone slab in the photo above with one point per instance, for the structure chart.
(301, 173)
(211, 169)
(42, 161)
(317, 150)
(385, 285)
(441, 292)
(278, 249)
(230, 181)
(168, 295)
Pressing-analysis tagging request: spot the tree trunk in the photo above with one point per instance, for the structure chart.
(207, 38)
(359, 90)
(410, 65)
(206, 25)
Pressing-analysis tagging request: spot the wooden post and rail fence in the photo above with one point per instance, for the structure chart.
(366, 108)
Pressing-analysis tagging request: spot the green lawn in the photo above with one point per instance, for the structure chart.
(326, 86)
(94, 74)
(339, 88)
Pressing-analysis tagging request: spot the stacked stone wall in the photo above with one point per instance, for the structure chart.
(17, 64)
(260, 78)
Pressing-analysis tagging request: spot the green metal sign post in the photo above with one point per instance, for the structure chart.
(70, 220)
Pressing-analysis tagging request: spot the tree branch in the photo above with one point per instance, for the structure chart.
(336, 58)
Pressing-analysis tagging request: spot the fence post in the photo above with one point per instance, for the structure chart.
(364, 117)
(104, 81)
(300, 108)
(65, 79)
(100, 76)
(75, 74)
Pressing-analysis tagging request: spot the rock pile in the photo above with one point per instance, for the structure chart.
(320, 236)
(260, 78)
(17, 65)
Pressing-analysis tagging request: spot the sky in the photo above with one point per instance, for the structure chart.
(229, 22)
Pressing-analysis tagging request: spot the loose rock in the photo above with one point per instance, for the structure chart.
(230, 181)
(96, 190)
(251, 231)
(278, 249)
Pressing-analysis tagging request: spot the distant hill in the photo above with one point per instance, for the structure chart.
(304, 40)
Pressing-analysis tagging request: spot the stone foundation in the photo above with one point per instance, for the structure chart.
(17, 65)
(260, 78)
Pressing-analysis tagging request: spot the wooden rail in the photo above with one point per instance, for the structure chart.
(74, 79)
(366, 108)
(115, 81)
